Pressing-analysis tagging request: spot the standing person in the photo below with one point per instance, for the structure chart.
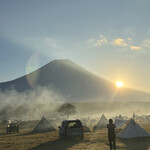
(111, 134)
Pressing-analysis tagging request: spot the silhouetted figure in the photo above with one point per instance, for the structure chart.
(111, 134)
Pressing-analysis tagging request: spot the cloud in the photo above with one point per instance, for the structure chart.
(146, 43)
(119, 42)
(129, 39)
(135, 48)
(45, 45)
(97, 42)
(50, 42)
(89, 41)
(102, 40)
(124, 44)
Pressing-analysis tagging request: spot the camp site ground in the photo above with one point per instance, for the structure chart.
(95, 140)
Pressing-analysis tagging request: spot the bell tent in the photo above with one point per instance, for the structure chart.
(133, 130)
(102, 123)
(43, 126)
(119, 117)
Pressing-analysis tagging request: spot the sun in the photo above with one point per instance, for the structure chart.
(119, 84)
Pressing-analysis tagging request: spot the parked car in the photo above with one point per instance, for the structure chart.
(71, 128)
(12, 128)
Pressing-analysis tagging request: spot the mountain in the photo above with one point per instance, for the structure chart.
(73, 83)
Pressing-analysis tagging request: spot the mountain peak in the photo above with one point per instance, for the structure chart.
(61, 60)
(64, 63)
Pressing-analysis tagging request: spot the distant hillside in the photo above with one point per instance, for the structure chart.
(74, 83)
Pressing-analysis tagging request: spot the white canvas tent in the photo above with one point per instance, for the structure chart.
(133, 130)
(119, 117)
(43, 126)
(102, 122)
(119, 123)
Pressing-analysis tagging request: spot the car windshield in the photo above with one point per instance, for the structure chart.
(74, 124)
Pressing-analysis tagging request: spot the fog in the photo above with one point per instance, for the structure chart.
(40, 102)
(112, 109)
(29, 105)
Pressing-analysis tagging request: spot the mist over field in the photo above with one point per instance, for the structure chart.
(41, 101)
(28, 105)
(112, 109)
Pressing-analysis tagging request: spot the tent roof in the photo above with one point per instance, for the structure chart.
(119, 123)
(133, 130)
(43, 126)
(119, 117)
(102, 122)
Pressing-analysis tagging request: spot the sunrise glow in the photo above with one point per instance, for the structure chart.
(119, 84)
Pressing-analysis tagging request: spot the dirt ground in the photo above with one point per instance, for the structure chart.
(96, 140)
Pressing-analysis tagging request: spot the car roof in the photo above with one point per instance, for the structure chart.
(77, 120)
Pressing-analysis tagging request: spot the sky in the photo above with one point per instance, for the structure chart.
(109, 38)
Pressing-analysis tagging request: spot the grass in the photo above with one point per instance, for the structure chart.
(96, 140)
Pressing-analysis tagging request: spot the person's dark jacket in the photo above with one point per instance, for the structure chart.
(111, 130)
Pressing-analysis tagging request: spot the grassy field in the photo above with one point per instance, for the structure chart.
(96, 140)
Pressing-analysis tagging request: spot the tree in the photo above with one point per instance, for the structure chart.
(67, 109)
